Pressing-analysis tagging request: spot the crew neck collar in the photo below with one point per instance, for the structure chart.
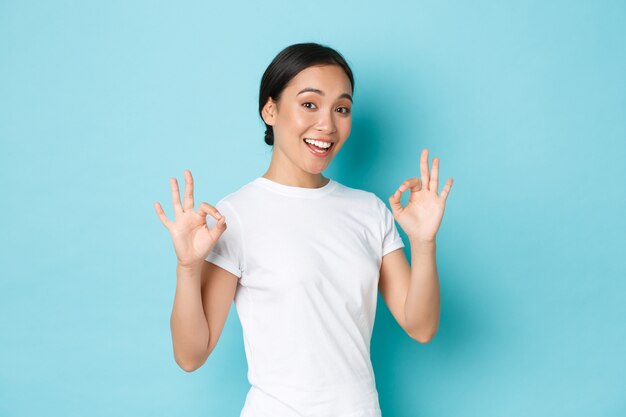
(293, 190)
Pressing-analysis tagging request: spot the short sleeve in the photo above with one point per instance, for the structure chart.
(228, 251)
(391, 237)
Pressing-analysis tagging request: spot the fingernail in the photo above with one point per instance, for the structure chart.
(219, 216)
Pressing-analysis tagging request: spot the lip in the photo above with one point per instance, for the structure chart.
(323, 155)
(321, 140)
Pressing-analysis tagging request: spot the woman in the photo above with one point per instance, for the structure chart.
(303, 255)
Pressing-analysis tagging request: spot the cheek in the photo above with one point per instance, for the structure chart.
(345, 125)
(302, 121)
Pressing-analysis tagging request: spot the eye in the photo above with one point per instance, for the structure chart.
(344, 110)
(306, 104)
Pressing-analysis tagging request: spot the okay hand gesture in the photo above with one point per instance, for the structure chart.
(193, 239)
(421, 217)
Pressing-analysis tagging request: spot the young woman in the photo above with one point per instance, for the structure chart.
(303, 255)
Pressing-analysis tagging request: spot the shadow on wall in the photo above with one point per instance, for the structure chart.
(470, 332)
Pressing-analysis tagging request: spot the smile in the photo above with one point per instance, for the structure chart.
(318, 147)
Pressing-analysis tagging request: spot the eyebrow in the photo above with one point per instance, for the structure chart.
(320, 92)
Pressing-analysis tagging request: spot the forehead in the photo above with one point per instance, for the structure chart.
(328, 78)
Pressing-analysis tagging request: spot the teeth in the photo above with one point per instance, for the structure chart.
(318, 143)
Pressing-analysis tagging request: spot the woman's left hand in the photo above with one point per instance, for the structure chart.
(421, 217)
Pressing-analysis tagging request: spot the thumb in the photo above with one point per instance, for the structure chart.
(394, 202)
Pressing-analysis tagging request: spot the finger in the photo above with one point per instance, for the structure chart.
(394, 200)
(175, 196)
(207, 209)
(434, 177)
(412, 183)
(424, 168)
(166, 222)
(188, 190)
(446, 189)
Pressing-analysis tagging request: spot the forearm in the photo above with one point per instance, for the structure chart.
(189, 326)
(421, 306)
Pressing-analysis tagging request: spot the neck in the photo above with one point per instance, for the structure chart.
(304, 179)
(282, 171)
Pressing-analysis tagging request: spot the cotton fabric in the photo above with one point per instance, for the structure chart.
(308, 263)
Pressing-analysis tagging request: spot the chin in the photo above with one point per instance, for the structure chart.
(315, 170)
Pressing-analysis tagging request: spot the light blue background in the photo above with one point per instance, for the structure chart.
(524, 102)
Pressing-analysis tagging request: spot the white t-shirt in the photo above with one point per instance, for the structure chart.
(308, 262)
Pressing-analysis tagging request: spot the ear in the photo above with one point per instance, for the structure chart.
(269, 111)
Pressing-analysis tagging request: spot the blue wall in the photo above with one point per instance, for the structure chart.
(524, 102)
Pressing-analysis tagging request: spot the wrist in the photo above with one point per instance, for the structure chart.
(416, 241)
(189, 269)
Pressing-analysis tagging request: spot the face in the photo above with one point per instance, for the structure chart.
(315, 105)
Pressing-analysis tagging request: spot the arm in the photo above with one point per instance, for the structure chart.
(422, 301)
(419, 285)
(201, 305)
(188, 324)
(204, 291)
(412, 293)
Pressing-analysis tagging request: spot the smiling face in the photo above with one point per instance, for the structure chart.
(315, 106)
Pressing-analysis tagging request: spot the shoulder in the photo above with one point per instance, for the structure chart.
(238, 198)
(364, 197)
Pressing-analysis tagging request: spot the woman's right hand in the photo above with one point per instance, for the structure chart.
(193, 239)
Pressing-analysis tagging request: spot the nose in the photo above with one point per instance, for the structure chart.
(326, 122)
